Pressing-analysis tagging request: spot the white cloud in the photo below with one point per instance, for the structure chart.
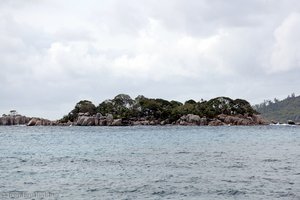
(286, 52)
(55, 53)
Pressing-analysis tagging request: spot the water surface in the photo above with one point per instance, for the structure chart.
(169, 162)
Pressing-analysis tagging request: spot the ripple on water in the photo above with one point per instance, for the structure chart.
(228, 192)
(153, 163)
(271, 160)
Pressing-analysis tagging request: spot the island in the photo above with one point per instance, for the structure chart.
(122, 110)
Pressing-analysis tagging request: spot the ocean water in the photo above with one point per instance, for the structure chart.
(169, 162)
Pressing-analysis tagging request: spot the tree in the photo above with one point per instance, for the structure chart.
(13, 112)
(83, 106)
(191, 101)
(122, 106)
(293, 95)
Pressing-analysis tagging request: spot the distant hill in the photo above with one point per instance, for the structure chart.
(281, 110)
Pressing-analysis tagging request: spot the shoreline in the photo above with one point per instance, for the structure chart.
(97, 120)
(122, 110)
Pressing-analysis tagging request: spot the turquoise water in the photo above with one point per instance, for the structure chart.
(172, 162)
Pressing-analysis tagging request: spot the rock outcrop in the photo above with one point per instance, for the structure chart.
(85, 119)
(9, 120)
(97, 120)
(242, 120)
(216, 122)
(14, 120)
(40, 122)
(191, 119)
(117, 122)
(186, 120)
(291, 122)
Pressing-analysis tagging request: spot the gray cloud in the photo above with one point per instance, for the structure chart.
(55, 53)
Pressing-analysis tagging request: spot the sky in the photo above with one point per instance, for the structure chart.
(54, 53)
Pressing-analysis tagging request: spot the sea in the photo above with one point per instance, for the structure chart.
(150, 162)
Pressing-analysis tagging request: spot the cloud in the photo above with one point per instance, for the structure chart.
(56, 53)
(286, 51)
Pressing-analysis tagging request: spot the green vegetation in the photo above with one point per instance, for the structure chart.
(281, 111)
(122, 106)
(83, 106)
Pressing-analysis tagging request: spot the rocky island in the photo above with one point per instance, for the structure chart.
(16, 119)
(122, 110)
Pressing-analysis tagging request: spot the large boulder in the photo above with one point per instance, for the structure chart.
(69, 123)
(109, 119)
(232, 120)
(244, 122)
(5, 120)
(154, 122)
(216, 122)
(20, 120)
(194, 119)
(85, 121)
(203, 121)
(80, 120)
(12, 120)
(144, 122)
(136, 123)
(259, 120)
(45, 122)
(86, 114)
(81, 114)
(191, 119)
(102, 122)
(23, 120)
(241, 120)
(98, 115)
(91, 121)
(32, 122)
(117, 122)
(38, 122)
(96, 121)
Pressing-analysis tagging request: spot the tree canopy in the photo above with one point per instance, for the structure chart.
(123, 106)
(281, 111)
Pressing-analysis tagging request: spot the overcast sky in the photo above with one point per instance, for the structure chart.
(54, 53)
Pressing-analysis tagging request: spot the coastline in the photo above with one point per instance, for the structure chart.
(85, 119)
(122, 110)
